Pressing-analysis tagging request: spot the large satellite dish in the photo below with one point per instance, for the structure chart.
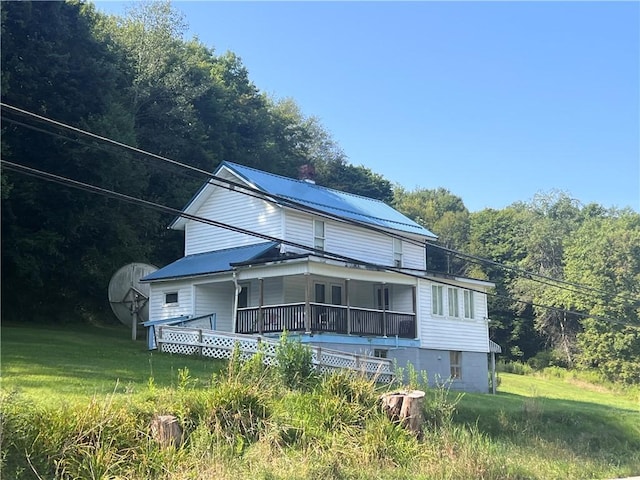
(128, 297)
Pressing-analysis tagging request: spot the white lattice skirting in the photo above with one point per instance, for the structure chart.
(214, 344)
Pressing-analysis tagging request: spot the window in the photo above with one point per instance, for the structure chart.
(468, 304)
(454, 309)
(320, 293)
(436, 300)
(318, 234)
(397, 252)
(243, 296)
(380, 353)
(380, 291)
(336, 294)
(455, 363)
(171, 298)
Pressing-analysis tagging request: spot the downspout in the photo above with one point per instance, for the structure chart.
(238, 288)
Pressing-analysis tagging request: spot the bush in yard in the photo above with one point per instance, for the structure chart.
(295, 364)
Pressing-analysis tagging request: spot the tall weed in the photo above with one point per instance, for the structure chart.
(294, 363)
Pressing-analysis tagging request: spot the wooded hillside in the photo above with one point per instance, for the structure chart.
(567, 275)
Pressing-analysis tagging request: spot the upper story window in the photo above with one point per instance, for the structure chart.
(436, 300)
(454, 308)
(171, 298)
(468, 304)
(397, 252)
(318, 234)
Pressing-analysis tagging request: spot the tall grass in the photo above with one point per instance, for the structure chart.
(245, 420)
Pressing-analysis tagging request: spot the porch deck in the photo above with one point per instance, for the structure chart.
(317, 317)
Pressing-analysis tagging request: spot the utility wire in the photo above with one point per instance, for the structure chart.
(257, 193)
(322, 253)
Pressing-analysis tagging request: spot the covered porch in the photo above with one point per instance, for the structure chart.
(319, 304)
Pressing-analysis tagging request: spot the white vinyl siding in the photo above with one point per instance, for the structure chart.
(350, 241)
(402, 298)
(295, 288)
(444, 333)
(414, 256)
(232, 208)
(216, 298)
(159, 310)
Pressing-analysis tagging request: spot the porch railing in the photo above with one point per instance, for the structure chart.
(326, 318)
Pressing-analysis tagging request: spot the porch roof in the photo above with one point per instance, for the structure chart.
(212, 262)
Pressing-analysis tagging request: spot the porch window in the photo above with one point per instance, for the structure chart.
(380, 291)
(455, 363)
(336, 294)
(436, 300)
(468, 304)
(454, 309)
(397, 252)
(171, 298)
(320, 291)
(318, 234)
(243, 296)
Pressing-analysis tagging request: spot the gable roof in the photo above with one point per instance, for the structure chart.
(325, 200)
(211, 262)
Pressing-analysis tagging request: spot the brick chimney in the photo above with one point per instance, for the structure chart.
(307, 172)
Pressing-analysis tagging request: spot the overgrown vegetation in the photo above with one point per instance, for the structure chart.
(241, 419)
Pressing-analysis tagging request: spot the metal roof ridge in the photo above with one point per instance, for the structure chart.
(297, 180)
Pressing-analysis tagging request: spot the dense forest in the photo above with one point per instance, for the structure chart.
(567, 275)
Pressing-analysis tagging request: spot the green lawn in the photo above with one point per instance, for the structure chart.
(535, 427)
(74, 362)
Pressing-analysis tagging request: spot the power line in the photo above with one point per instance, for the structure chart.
(529, 275)
(322, 253)
(257, 193)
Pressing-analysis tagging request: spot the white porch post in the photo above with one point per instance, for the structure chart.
(415, 311)
(307, 304)
(260, 311)
(234, 314)
(348, 300)
(383, 294)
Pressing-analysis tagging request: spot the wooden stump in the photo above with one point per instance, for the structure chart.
(166, 430)
(405, 407)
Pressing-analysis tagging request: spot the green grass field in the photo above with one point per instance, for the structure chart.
(536, 427)
(62, 363)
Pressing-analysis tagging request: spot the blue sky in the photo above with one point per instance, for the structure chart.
(495, 101)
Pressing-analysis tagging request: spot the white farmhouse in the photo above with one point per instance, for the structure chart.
(265, 253)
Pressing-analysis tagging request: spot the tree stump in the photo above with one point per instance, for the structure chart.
(166, 430)
(405, 407)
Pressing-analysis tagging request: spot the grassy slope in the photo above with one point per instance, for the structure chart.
(75, 362)
(561, 423)
(535, 427)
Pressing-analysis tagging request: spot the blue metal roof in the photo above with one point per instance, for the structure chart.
(210, 262)
(326, 200)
